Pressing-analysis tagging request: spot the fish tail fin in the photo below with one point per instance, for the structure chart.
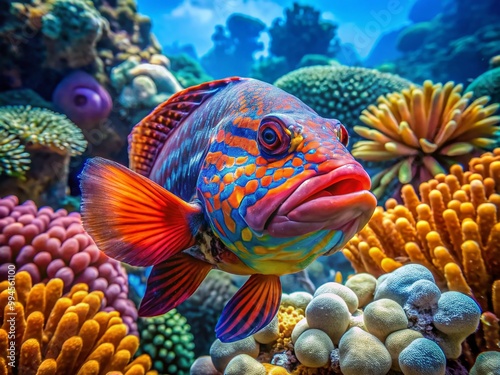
(252, 308)
(133, 219)
(171, 283)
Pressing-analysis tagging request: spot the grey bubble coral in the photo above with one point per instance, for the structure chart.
(222, 353)
(422, 357)
(313, 348)
(362, 353)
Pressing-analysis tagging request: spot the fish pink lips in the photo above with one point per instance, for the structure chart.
(337, 200)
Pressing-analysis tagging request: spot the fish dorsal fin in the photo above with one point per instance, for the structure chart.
(148, 136)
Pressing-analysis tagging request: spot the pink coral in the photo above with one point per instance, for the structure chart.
(50, 244)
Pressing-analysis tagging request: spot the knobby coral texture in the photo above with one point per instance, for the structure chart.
(57, 333)
(398, 323)
(453, 228)
(418, 133)
(169, 342)
(53, 244)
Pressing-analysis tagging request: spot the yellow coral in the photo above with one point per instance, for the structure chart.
(452, 228)
(63, 335)
(422, 131)
(288, 317)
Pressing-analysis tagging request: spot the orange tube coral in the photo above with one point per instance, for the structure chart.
(57, 334)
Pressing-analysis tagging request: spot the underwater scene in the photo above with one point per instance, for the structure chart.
(249, 187)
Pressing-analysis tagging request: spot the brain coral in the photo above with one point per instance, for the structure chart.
(453, 229)
(169, 342)
(56, 334)
(419, 132)
(340, 92)
(50, 244)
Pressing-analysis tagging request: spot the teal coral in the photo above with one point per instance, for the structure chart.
(340, 92)
(488, 84)
(167, 339)
(187, 70)
(422, 357)
(72, 29)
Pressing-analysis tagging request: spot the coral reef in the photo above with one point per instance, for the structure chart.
(454, 46)
(453, 229)
(340, 92)
(167, 339)
(50, 244)
(234, 46)
(24, 97)
(62, 334)
(80, 97)
(420, 132)
(301, 32)
(407, 325)
(187, 70)
(71, 30)
(203, 308)
(36, 152)
(269, 69)
(488, 84)
(143, 86)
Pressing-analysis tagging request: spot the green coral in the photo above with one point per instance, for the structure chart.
(316, 59)
(187, 70)
(413, 37)
(23, 97)
(167, 339)
(340, 92)
(487, 84)
(42, 128)
(14, 160)
(269, 69)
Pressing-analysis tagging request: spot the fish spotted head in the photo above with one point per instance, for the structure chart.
(279, 186)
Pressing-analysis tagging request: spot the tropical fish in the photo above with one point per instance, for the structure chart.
(233, 174)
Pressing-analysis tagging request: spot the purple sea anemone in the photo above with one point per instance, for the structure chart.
(80, 97)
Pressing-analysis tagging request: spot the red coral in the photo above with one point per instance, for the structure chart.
(50, 244)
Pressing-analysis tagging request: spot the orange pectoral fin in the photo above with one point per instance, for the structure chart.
(171, 283)
(251, 308)
(133, 219)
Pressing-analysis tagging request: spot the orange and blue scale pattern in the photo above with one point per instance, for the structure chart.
(232, 174)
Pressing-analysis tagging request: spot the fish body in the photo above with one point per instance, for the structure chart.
(233, 174)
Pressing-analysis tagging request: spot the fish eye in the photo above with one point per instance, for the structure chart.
(273, 137)
(342, 134)
(269, 136)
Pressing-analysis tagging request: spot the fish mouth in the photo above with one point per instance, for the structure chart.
(337, 200)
